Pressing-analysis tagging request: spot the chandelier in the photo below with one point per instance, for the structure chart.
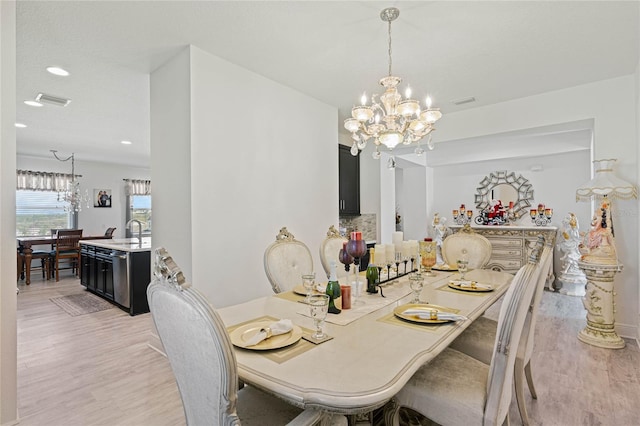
(72, 196)
(390, 120)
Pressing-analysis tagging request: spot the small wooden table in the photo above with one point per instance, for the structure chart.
(25, 248)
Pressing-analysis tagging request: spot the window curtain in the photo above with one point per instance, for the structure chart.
(137, 187)
(43, 181)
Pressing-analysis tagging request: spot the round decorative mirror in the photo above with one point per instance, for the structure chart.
(506, 187)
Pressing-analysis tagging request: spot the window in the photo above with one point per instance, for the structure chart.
(139, 209)
(37, 212)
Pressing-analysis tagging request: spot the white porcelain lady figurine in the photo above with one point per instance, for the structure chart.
(598, 245)
(440, 232)
(571, 276)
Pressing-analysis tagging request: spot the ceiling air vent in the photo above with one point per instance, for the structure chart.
(53, 100)
(464, 101)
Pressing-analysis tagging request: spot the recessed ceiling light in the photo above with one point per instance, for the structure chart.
(58, 71)
(126, 142)
(20, 125)
(33, 103)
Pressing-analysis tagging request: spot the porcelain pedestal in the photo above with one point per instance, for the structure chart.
(600, 306)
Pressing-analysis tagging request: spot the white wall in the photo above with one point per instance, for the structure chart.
(262, 156)
(171, 159)
(638, 162)
(8, 337)
(93, 221)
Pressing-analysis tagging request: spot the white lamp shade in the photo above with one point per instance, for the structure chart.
(390, 138)
(605, 183)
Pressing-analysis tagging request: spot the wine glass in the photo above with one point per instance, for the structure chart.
(308, 281)
(318, 308)
(463, 267)
(416, 282)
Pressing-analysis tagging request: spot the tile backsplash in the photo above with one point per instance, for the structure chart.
(365, 223)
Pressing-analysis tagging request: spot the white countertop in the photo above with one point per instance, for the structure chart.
(122, 244)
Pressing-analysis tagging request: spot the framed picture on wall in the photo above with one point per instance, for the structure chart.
(101, 198)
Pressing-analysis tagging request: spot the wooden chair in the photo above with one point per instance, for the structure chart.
(43, 255)
(109, 232)
(67, 248)
(329, 250)
(202, 357)
(456, 389)
(285, 261)
(467, 242)
(477, 340)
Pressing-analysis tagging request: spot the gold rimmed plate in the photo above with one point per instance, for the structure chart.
(445, 268)
(471, 289)
(241, 335)
(428, 308)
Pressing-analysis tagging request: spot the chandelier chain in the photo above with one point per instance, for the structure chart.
(389, 31)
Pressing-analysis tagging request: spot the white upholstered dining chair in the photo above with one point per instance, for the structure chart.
(456, 389)
(474, 246)
(477, 340)
(330, 249)
(202, 359)
(285, 260)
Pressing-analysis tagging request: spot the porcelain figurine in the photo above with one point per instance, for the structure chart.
(598, 245)
(440, 232)
(571, 276)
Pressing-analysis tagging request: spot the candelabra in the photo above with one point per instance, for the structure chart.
(541, 216)
(462, 216)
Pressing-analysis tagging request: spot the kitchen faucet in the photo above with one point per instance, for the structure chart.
(139, 229)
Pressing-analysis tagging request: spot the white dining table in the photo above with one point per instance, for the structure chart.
(368, 360)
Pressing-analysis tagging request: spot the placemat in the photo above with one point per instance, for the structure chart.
(291, 296)
(278, 355)
(365, 304)
(446, 287)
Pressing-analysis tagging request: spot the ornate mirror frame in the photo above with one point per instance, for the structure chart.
(520, 184)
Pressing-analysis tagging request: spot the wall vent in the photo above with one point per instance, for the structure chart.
(464, 101)
(53, 100)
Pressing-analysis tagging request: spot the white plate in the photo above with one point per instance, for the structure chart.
(241, 335)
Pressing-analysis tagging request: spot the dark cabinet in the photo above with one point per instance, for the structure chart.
(128, 287)
(349, 190)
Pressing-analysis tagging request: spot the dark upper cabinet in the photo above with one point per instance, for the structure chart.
(349, 169)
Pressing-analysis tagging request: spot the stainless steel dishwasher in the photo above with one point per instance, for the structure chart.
(121, 292)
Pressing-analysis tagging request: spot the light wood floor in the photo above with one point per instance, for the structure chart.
(96, 369)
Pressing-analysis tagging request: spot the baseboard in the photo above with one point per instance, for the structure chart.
(627, 331)
(153, 341)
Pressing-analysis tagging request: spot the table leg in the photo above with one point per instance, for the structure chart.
(27, 264)
(20, 266)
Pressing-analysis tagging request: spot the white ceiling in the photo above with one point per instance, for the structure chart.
(332, 51)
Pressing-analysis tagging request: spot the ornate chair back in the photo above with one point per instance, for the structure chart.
(511, 322)
(197, 345)
(330, 248)
(285, 260)
(478, 248)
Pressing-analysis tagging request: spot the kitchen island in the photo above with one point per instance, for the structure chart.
(118, 270)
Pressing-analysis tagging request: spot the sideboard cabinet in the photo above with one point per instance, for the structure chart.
(512, 245)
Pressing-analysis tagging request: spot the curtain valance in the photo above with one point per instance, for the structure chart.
(137, 187)
(43, 181)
